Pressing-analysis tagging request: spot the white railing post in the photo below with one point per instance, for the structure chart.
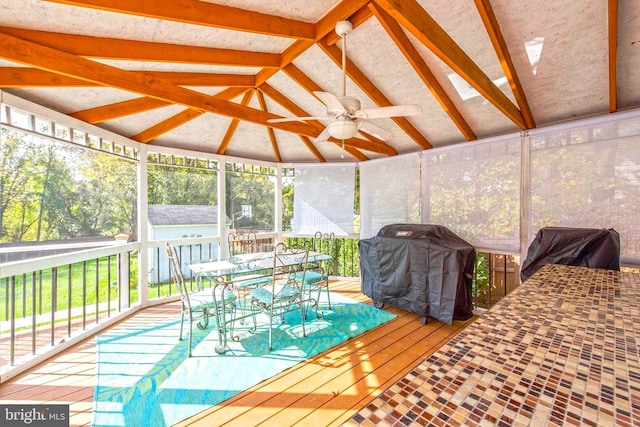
(143, 228)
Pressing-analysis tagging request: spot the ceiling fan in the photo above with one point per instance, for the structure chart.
(347, 117)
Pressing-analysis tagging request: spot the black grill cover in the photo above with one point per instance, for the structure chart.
(422, 268)
(584, 247)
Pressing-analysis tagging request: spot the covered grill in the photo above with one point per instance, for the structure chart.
(583, 247)
(422, 268)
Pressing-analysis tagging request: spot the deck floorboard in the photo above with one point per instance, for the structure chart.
(324, 390)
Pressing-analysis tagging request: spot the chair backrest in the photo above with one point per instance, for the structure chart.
(175, 271)
(324, 242)
(290, 261)
(242, 243)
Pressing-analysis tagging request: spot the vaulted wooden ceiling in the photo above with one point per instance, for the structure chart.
(208, 75)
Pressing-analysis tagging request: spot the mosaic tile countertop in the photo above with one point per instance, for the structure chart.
(561, 350)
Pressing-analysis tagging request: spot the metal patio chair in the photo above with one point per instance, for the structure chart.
(242, 244)
(285, 292)
(197, 306)
(316, 277)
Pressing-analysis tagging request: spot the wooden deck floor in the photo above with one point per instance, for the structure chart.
(323, 391)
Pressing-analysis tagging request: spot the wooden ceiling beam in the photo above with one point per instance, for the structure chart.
(205, 14)
(319, 157)
(118, 109)
(377, 146)
(367, 86)
(612, 18)
(422, 69)
(500, 46)
(20, 77)
(288, 104)
(42, 57)
(418, 22)
(224, 144)
(355, 153)
(301, 78)
(133, 50)
(181, 118)
(134, 106)
(345, 9)
(17, 77)
(203, 79)
(272, 135)
(167, 125)
(372, 139)
(324, 26)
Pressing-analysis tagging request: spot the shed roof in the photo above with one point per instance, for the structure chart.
(183, 214)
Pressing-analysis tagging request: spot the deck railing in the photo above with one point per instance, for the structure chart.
(53, 301)
(48, 302)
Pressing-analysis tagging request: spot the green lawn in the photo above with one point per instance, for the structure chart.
(76, 285)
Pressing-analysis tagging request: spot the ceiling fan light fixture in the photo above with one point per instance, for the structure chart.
(343, 129)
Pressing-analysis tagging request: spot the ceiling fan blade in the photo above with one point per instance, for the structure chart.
(324, 136)
(331, 101)
(374, 130)
(390, 111)
(295, 119)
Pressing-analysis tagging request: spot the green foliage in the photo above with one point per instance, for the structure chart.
(482, 275)
(53, 190)
(175, 185)
(346, 255)
(475, 193)
(255, 190)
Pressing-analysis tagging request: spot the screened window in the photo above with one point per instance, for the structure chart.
(474, 190)
(182, 195)
(323, 199)
(54, 190)
(250, 195)
(589, 177)
(389, 193)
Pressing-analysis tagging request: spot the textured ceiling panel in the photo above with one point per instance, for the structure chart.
(70, 100)
(560, 52)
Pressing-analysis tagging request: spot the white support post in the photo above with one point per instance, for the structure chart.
(222, 208)
(278, 204)
(143, 227)
(525, 194)
(124, 281)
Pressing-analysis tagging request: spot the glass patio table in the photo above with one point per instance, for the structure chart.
(229, 272)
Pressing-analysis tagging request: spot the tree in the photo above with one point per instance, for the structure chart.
(19, 167)
(55, 190)
(178, 185)
(255, 190)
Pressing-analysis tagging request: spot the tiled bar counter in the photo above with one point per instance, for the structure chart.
(560, 350)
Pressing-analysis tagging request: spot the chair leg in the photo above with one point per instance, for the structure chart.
(181, 324)
(328, 297)
(270, 329)
(303, 315)
(190, 333)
